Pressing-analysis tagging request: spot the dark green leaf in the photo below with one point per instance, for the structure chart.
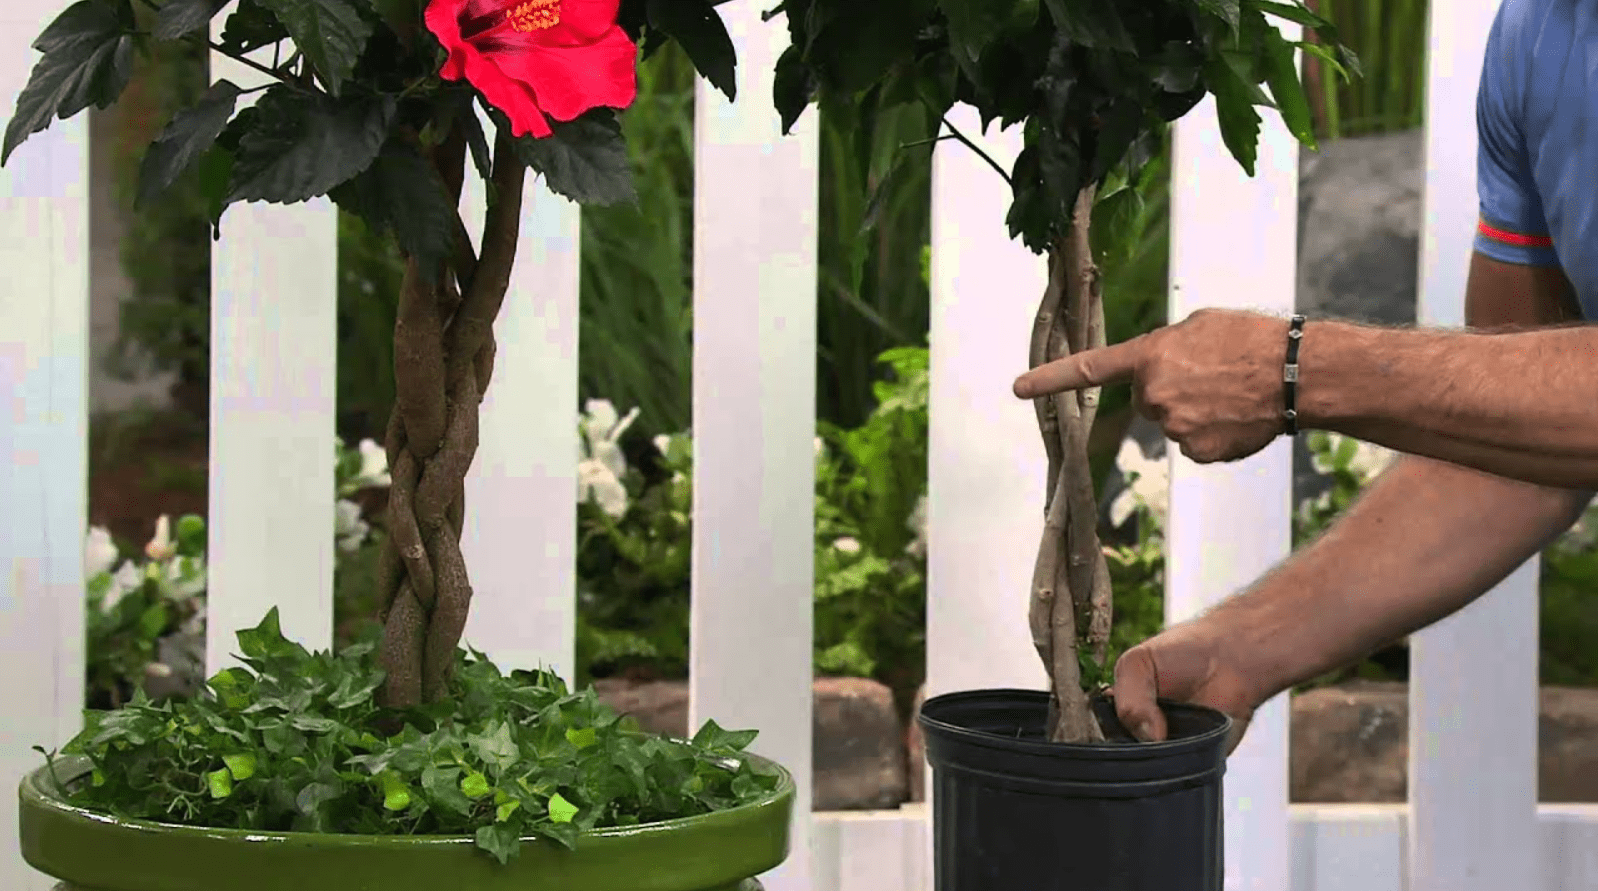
(1240, 125)
(178, 18)
(586, 160)
(973, 24)
(1093, 23)
(190, 134)
(302, 145)
(88, 59)
(1287, 88)
(401, 193)
(400, 15)
(250, 27)
(699, 30)
(793, 87)
(1225, 10)
(1293, 12)
(331, 34)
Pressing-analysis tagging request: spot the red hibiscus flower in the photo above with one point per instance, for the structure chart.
(530, 58)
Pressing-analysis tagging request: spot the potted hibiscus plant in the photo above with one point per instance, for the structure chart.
(404, 762)
(1035, 789)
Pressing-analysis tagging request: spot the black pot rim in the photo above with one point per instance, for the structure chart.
(1108, 751)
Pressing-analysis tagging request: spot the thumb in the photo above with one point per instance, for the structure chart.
(1136, 692)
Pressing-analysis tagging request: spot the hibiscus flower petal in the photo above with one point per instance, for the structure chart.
(582, 22)
(568, 81)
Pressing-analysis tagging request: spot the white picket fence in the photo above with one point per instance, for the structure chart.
(1472, 824)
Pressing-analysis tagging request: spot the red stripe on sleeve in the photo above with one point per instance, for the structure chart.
(1514, 238)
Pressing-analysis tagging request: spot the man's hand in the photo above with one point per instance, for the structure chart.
(1213, 382)
(1185, 664)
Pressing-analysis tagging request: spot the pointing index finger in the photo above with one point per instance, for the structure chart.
(1112, 364)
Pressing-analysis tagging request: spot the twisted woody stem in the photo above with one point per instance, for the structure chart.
(443, 359)
(1071, 602)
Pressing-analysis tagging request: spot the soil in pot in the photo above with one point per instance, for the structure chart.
(1014, 811)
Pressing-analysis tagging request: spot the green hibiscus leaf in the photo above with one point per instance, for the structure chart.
(331, 34)
(88, 59)
(699, 30)
(190, 134)
(586, 160)
(179, 18)
(401, 193)
(301, 145)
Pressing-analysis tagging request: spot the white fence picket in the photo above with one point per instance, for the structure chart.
(754, 397)
(1472, 720)
(520, 540)
(44, 346)
(986, 464)
(274, 349)
(1234, 244)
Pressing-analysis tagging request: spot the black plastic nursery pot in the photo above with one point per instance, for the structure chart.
(89, 851)
(1014, 812)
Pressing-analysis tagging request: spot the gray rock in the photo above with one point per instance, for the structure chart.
(1350, 744)
(859, 754)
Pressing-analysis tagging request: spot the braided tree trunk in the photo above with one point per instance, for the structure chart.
(1070, 607)
(443, 358)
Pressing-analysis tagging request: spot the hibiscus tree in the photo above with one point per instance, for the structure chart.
(375, 104)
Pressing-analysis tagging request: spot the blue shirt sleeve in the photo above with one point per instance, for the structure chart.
(1512, 228)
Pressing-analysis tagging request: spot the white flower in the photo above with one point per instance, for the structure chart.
(128, 577)
(662, 443)
(596, 481)
(821, 447)
(1370, 459)
(158, 670)
(374, 466)
(348, 525)
(917, 523)
(99, 552)
(184, 577)
(847, 545)
(162, 547)
(602, 431)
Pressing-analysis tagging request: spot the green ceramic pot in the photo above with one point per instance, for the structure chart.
(89, 851)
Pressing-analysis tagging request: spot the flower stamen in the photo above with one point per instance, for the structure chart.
(533, 15)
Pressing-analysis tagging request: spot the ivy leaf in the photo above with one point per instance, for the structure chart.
(190, 134)
(561, 810)
(699, 30)
(88, 60)
(331, 34)
(179, 18)
(401, 193)
(301, 145)
(586, 160)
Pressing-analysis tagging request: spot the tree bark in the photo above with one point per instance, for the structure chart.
(1071, 602)
(443, 359)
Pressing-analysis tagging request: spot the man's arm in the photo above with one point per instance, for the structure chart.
(1514, 402)
(1424, 540)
